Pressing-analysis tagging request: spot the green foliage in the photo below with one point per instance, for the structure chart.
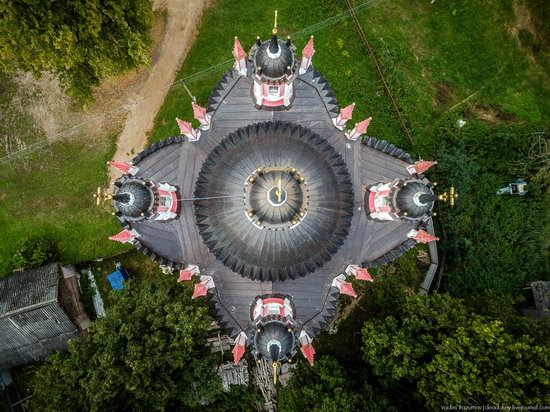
(148, 353)
(504, 308)
(81, 42)
(492, 242)
(87, 293)
(238, 399)
(49, 192)
(326, 387)
(34, 252)
(454, 357)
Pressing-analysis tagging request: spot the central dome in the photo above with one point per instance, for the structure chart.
(276, 197)
(274, 201)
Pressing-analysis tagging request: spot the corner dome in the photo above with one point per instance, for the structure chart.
(414, 199)
(274, 341)
(133, 199)
(273, 58)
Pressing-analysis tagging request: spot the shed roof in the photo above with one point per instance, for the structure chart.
(30, 288)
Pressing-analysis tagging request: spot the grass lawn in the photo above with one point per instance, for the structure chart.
(482, 62)
(50, 193)
(138, 266)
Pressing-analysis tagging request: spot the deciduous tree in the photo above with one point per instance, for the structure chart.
(148, 353)
(80, 41)
(326, 387)
(455, 357)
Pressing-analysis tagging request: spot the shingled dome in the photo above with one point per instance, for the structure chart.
(274, 341)
(276, 201)
(273, 57)
(415, 199)
(133, 199)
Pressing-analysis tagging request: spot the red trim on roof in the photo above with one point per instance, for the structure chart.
(238, 352)
(309, 352)
(424, 237)
(185, 275)
(309, 49)
(423, 165)
(361, 127)
(363, 274)
(238, 50)
(123, 237)
(347, 112)
(347, 289)
(372, 197)
(274, 300)
(174, 205)
(185, 127)
(275, 103)
(200, 289)
(198, 111)
(124, 167)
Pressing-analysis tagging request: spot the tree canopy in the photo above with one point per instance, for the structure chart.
(455, 357)
(34, 252)
(148, 353)
(327, 387)
(80, 42)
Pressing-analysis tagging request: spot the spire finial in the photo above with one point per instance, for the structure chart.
(275, 24)
(274, 365)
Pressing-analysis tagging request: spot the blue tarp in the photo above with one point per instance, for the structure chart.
(117, 278)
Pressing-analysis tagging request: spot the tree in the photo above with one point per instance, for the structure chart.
(81, 42)
(148, 353)
(456, 357)
(326, 387)
(35, 252)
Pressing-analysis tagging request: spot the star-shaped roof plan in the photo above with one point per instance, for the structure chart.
(273, 203)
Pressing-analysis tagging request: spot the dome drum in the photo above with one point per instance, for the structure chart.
(275, 339)
(137, 199)
(275, 67)
(133, 199)
(284, 189)
(409, 199)
(414, 199)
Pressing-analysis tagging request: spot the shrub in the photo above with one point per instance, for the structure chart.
(35, 252)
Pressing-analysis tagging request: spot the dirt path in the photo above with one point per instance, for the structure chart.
(182, 17)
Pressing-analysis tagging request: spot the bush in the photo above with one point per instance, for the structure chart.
(35, 252)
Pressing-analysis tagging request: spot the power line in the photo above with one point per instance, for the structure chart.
(198, 75)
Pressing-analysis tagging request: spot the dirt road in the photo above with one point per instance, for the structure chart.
(182, 17)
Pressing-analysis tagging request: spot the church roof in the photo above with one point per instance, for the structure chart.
(266, 248)
(216, 232)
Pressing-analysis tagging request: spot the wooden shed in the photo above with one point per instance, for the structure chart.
(34, 319)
